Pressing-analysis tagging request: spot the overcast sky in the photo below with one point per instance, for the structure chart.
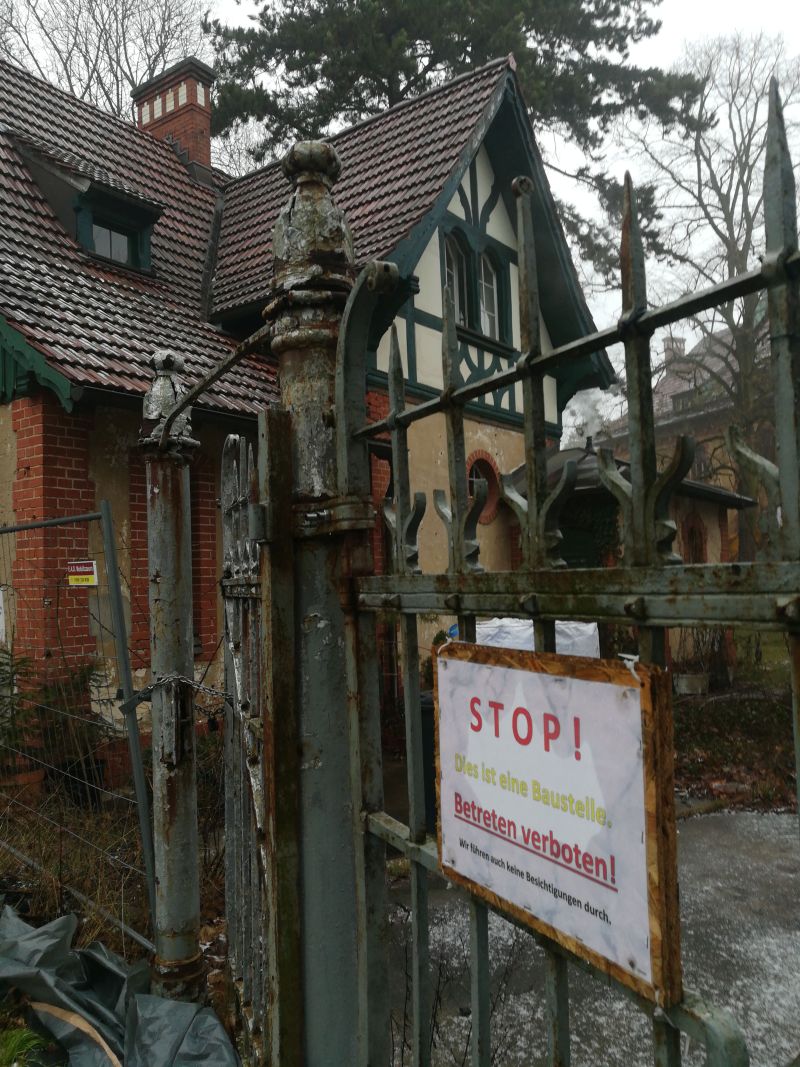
(682, 20)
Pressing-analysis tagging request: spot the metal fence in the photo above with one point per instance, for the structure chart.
(307, 827)
(652, 589)
(74, 818)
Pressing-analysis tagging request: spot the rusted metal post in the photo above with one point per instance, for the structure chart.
(313, 260)
(177, 965)
(780, 224)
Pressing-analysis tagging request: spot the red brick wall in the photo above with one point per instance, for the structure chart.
(189, 123)
(205, 577)
(51, 480)
(139, 637)
(378, 408)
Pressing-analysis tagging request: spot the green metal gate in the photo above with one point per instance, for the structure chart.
(307, 830)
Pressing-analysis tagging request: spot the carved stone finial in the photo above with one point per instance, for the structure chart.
(162, 396)
(311, 244)
(312, 161)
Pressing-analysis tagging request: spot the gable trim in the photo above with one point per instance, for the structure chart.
(19, 360)
(408, 251)
(594, 370)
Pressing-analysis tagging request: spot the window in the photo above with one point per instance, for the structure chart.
(487, 292)
(481, 468)
(456, 278)
(113, 244)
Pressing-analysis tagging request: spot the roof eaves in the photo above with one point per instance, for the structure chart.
(67, 163)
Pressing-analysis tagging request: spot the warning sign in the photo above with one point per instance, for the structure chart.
(555, 800)
(82, 572)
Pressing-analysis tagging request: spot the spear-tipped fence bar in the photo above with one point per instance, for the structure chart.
(775, 271)
(644, 591)
(652, 589)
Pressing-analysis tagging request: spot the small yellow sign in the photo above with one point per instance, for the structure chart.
(82, 572)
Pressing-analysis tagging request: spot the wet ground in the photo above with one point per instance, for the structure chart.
(740, 910)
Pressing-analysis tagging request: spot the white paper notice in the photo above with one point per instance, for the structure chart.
(542, 800)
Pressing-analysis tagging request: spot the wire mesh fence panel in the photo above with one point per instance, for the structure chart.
(69, 819)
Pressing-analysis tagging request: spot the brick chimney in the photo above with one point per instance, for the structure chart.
(176, 105)
(674, 349)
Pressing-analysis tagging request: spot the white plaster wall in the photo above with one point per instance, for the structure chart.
(428, 271)
(429, 357)
(383, 348)
(428, 342)
(455, 207)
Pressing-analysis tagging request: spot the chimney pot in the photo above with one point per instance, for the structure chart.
(674, 349)
(176, 105)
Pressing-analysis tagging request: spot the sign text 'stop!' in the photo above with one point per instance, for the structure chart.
(555, 780)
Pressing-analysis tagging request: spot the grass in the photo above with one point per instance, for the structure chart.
(19, 1046)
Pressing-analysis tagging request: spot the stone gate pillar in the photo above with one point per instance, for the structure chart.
(313, 265)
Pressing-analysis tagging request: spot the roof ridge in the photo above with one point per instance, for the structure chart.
(500, 61)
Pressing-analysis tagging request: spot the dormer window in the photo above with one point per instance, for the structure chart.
(115, 226)
(108, 218)
(112, 244)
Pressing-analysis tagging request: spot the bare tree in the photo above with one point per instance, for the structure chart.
(100, 49)
(235, 150)
(709, 174)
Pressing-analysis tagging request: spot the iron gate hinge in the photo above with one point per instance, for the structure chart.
(334, 516)
(261, 523)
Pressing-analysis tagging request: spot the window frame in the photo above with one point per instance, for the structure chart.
(459, 291)
(462, 248)
(114, 230)
(485, 262)
(120, 217)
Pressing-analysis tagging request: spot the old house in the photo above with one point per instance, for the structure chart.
(695, 392)
(118, 240)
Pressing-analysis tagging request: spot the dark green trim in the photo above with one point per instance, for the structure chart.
(407, 253)
(19, 361)
(558, 279)
(121, 215)
(473, 189)
(505, 128)
(411, 340)
(480, 412)
(427, 318)
(475, 242)
(476, 238)
(462, 196)
(465, 333)
(490, 205)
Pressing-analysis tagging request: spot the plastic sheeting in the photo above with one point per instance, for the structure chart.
(97, 1006)
(572, 638)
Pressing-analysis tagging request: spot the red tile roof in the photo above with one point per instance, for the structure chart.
(98, 324)
(95, 323)
(393, 168)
